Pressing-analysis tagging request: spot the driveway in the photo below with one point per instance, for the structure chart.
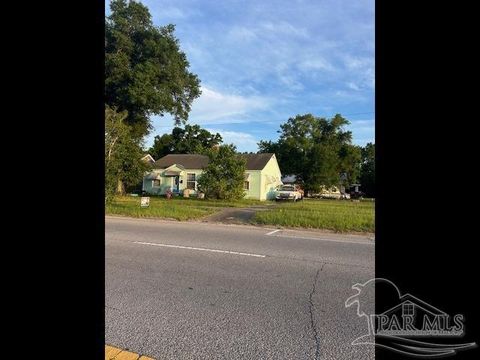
(236, 215)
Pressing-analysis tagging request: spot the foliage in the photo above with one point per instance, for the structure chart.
(350, 157)
(316, 150)
(224, 176)
(190, 140)
(367, 177)
(146, 73)
(123, 167)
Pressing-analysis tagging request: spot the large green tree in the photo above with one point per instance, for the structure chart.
(350, 159)
(317, 150)
(123, 167)
(224, 176)
(191, 139)
(146, 73)
(367, 176)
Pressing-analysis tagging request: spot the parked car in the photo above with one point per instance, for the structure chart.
(331, 192)
(289, 192)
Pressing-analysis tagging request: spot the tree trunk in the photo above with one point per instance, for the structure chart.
(120, 188)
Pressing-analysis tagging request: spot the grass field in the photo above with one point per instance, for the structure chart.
(337, 215)
(176, 208)
(342, 216)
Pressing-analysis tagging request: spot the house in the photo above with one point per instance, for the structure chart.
(182, 171)
(148, 159)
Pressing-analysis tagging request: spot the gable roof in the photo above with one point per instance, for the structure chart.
(195, 161)
(188, 161)
(257, 161)
(148, 158)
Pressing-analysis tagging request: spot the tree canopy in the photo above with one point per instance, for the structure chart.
(123, 153)
(224, 176)
(367, 172)
(192, 139)
(317, 150)
(146, 73)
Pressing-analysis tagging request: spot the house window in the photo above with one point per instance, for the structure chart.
(246, 185)
(156, 183)
(408, 309)
(191, 181)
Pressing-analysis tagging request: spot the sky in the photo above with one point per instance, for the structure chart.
(262, 62)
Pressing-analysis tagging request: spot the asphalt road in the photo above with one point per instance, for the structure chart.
(177, 290)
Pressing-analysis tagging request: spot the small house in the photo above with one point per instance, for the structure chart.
(178, 172)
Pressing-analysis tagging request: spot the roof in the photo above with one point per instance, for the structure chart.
(148, 158)
(195, 161)
(188, 161)
(257, 161)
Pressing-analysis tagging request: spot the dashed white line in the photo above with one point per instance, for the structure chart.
(273, 232)
(199, 249)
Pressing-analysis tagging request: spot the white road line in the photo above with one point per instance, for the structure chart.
(199, 249)
(272, 232)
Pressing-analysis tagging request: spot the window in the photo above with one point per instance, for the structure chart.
(191, 181)
(408, 309)
(156, 183)
(246, 185)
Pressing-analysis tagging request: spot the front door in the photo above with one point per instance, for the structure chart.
(176, 187)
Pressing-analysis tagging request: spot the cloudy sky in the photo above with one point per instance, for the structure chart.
(261, 62)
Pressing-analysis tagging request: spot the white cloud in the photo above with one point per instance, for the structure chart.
(362, 68)
(214, 106)
(239, 33)
(315, 64)
(353, 86)
(243, 141)
(283, 28)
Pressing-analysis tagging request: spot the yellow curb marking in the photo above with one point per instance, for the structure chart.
(111, 352)
(114, 353)
(127, 355)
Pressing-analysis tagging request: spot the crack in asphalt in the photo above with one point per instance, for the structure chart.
(313, 323)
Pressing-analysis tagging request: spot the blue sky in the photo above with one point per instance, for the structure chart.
(261, 62)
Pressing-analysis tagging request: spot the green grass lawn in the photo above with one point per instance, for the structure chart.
(177, 208)
(337, 215)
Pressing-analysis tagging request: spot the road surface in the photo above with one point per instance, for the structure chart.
(188, 290)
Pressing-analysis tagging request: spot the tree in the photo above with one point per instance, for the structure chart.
(123, 167)
(224, 176)
(190, 140)
(350, 159)
(317, 150)
(193, 139)
(162, 145)
(145, 71)
(367, 172)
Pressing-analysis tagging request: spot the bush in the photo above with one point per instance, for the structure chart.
(224, 176)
